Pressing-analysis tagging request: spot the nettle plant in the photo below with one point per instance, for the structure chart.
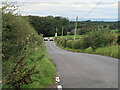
(21, 75)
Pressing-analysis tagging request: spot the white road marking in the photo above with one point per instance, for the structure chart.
(59, 87)
(57, 79)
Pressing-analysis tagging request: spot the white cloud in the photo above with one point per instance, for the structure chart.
(62, 0)
(0, 5)
(70, 8)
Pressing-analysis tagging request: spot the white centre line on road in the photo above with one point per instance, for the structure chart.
(57, 79)
(59, 87)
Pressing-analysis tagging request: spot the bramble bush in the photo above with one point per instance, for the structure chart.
(21, 75)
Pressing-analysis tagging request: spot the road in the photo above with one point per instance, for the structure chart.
(79, 70)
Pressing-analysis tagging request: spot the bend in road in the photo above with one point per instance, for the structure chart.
(79, 70)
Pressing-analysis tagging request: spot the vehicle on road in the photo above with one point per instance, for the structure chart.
(51, 39)
(46, 39)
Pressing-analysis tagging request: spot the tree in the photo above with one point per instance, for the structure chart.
(47, 25)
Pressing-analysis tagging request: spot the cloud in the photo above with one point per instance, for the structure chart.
(70, 8)
(0, 5)
(62, 0)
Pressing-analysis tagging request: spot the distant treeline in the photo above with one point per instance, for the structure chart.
(88, 26)
(50, 25)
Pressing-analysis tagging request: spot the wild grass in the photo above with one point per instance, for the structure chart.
(37, 57)
(111, 51)
(20, 39)
(44, 65)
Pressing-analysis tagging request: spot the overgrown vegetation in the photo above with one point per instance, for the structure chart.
(20, 75)
(20, 39)
(102, 41)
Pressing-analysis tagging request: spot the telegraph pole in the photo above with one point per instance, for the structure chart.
(67, 29)
(75, 28)
(62, 30)
(56, 32)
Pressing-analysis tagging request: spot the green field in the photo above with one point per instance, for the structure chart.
(115, 31)
(72, 36)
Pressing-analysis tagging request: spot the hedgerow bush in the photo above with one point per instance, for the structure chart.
(64, 41)
(88, 50)
(17, 36)
(102, 38)
(76, 44)
(96, 39)
(69, 43)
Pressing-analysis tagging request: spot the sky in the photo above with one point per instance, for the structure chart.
(96, 10)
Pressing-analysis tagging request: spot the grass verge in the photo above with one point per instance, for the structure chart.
(111, 51)
(37, 57)
(44, 64)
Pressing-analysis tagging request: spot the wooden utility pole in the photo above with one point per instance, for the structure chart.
(75, 28)
(62, 30)
(56, 30)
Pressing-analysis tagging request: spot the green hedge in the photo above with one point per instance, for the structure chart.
(97, 42)
(20, 39)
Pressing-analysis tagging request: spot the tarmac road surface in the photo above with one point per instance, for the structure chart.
(79, 70)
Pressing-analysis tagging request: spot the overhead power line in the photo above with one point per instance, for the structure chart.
(92, 9)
